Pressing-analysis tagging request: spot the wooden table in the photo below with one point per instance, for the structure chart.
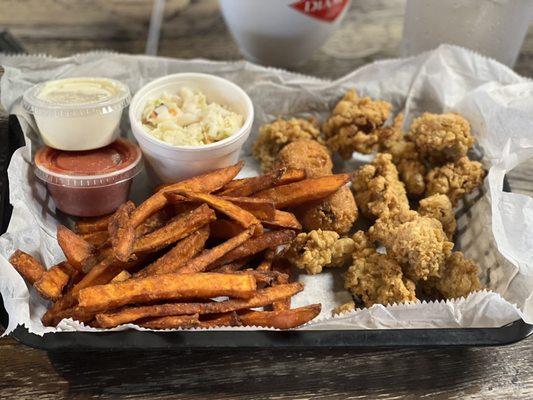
(371, 31)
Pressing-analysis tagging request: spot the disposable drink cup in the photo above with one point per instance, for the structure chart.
(495, 28)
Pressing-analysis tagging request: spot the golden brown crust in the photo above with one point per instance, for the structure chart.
(439, 206)
(377, 188)
(455, 179)
(416, 242)
(459, 277)
(308, 155)
(337, 212)
(274, 136)
(353, 122)
(441, 137)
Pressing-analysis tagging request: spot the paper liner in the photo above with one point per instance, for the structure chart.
(494, 227)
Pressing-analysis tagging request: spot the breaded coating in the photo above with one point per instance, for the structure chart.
(343, 308)
(440, 207)
(353, 122)
(441, 137)
(459, 277)
(377, 278)
(455, 179)
(418, 243)
(274, 136)
(377, 188)
(337, 212)
(305, 154)
(317, 249)
(411, 168)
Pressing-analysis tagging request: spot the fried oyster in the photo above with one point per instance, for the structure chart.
(459, 277)
(317, 249)
(376, 278)
(441, 137)
(411, 168)
(455, 179)
(439, 206)
(353, 122)
(274, 136)
(418, 243)
(377, 188)
(305, 154)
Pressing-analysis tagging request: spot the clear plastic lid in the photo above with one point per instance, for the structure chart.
(75, 97)
(108, 165)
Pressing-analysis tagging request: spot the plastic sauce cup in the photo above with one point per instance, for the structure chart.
(169, 163)
(89, 183)
(76, 114)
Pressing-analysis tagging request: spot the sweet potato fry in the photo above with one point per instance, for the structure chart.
(268, 240)
(121, 231)
(171, 322)
(284, 268)
(211, 256)
(234, 266)
(260, 208)
(96, 238)
(157, 220)
(90, 225)
(247, 186)
(182, 252)
(282, 220)
(176, 229)
(27, 266)
(291, 175)
(218, 320)
(80, 254)
(165, 287)
(236, 213)
(206, 183)
(53, 281)
(266, 263)
(76, 313)
(261, 298)
(124, 275)
(304, 191)
(224, 229)
(284, 319)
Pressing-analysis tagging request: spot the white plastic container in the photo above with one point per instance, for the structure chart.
(168, 163)
(76, 114)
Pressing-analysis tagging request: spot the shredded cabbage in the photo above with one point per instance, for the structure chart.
(186, 119)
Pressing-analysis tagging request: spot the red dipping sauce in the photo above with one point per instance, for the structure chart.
(89, 183)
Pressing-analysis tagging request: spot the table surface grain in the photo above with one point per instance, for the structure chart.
(371, 31)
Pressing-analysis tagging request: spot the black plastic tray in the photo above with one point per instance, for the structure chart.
(11, 139)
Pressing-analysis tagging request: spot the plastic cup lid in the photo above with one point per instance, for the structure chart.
(75, 97)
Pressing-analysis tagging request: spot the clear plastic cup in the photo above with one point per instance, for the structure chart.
(76, 114)
(89, 183)
(495, 28)
(168, 163)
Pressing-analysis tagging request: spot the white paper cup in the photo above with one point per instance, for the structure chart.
(282, 33)
(168, 163)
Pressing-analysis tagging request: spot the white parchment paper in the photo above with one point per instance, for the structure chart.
(495, 227)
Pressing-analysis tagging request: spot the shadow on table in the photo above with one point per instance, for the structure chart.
(270, 372)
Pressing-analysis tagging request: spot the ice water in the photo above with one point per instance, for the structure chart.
(495, 28)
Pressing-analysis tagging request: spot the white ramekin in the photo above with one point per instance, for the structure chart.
(170, 163)
(74, 126)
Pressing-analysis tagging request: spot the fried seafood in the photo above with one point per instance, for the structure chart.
(411, 168)
(418, 243)
(307, 155)
(353, 123)
(459, 277)
(343, 308)
(441, 137)
(318, 249)
(377, 188)
(439, 206)
(337, 212)
(274, 136)
(455, 179)
(376, 278)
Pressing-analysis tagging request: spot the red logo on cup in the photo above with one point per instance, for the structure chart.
(325, 10)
